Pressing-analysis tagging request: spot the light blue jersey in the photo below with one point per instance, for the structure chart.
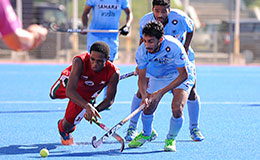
(162, 66)
(105, 16)
(163, 63)
(178, 25)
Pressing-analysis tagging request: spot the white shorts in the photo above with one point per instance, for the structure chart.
(156, 84)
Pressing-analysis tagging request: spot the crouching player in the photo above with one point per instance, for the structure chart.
(88, 74)
(164, 59)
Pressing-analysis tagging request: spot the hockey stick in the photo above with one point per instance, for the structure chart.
(124, 76)
(115, 135)
(96, 143)
(57, 28)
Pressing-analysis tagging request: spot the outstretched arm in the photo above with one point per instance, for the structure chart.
(111, 92)
(72, 93)
(24, 40)
(12, 33)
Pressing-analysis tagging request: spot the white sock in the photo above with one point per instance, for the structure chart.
(194, 111)
(134, 105)
(175, 127)
(147, 124)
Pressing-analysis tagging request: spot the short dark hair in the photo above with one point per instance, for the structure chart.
(166, 3)
(153, 29)
(101, 47)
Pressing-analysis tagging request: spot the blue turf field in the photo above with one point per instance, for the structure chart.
(230, 118)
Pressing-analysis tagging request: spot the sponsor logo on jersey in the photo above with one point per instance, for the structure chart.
(89, 83)
(84, 77)
(102, 82)
(162, 60)
(174, 22)
(108, 14)
(108, 6)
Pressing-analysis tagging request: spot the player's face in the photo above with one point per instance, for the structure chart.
(152, 44)
(97, 61)
(161, 13)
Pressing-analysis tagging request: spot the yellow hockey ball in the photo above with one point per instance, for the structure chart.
(44, 152)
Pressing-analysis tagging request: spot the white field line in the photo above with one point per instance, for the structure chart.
(125, 102)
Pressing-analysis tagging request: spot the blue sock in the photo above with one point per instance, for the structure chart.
(135, 104)
(175, 127)
(147, 124)
(194, 111)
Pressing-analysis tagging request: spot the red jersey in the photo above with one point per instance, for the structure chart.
(90, 82)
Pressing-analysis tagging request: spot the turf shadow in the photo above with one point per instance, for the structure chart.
(27, 149)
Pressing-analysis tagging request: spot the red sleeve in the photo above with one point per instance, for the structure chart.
(111, 69)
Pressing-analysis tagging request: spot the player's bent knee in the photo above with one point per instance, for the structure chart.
(177, 113)
(149, 110)
(52, 97)
(177, 109)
